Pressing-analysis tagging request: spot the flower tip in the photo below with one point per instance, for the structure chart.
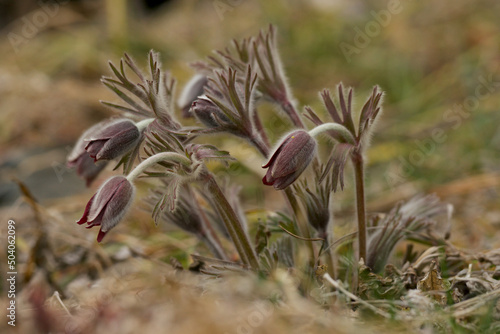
(266, 182)
(81, 221)
(101, 235)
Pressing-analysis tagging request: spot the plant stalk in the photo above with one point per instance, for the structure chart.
(301, 225)
(290, 110)
(208, 234)
(163, 156)
(260, 144)
(260, 128)
(330, 258)
(357, 160)
(232, 223)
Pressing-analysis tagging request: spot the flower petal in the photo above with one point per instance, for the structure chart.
(94, 147)
(296, 154)
(119, 144)
(104, 195)
(101, 235)
(118, 206)
(84, 218)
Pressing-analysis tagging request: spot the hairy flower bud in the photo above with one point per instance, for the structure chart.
(208, 113)
(108, 206)
(191, 91)
(112, 140)
(80, 159)
(290, 159)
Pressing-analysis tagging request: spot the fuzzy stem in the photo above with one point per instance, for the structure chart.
(290, 110)
(260, 144)
(164, 156)
(301, 226)
(232, 223)
(339, 128)
(260, 129)
(208, 234)
(357, 160)
(141, 125)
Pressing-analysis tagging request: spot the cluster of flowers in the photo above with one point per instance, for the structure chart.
(223, 97)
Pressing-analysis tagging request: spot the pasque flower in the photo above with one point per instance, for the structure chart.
(208, 113)
(191, 91)
(112, 140)
(290, 159)
(108, 206)
(81, 160)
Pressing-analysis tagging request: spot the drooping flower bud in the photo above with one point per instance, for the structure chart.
(208, 113)
(191, 91)
(112, 140)
(290, 159)
(80, 159)
(108, 206)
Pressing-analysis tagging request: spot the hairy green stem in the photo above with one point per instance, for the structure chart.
(300, 226)
(357, 161)
(208, 234)
(164, 156)
(338, 128)
(232, 223)
(142, 125)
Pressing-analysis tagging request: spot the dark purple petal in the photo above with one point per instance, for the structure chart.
(80, 158)
(101, 235)
(79, 148)
(84, 218)
(111, 128)
(93, 147)
(119, 144)
(118, 206)
(283, 182)
(267, 179)
(104, 195)
(108, 206)
(112, 140)
(295, 154)
(96, 221)
(273, 157)
(290, 159)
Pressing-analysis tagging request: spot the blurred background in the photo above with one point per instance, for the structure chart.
(438, 63)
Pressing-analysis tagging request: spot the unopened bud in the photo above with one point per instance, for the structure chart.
(208, 113)
(290, 159)
(108, 206)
